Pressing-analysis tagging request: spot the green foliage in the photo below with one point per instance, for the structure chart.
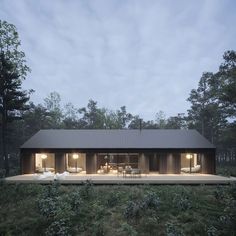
(58, 228)
(126, 229)
(173, 230)
(58, 210)
(220, 193)
(112, 199)
(181, 201)
(226, 170)
(135, 210)
(86, 191)
(2, 173)
(212, 231)
(13, 71)
(214, 102)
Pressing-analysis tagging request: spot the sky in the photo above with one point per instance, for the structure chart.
(145, 54)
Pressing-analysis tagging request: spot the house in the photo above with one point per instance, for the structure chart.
(108, 151)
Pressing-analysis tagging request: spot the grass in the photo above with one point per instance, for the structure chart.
(117, 210)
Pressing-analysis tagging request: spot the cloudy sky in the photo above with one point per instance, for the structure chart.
(144, 54)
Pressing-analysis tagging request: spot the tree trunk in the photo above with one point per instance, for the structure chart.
(4, 143)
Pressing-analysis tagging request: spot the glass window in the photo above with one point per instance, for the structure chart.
(75, 162)
(44, 162)
(190, 162)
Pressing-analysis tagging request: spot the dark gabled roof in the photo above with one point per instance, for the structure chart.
(117, 139)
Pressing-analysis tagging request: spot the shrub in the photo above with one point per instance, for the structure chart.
(47, 207)
(58, 228)
(86, 190)
(173, 230)
(133, 210)
(220, 193)
(75, 201)
(212, 231)
(2, 173)
(58, 209)
(138, 208)
(181, 201)
(112, 199)
(151, 200)
(126, 229)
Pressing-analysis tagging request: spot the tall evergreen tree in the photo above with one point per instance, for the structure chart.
(13, 71)
(12, 101)
(206, 114)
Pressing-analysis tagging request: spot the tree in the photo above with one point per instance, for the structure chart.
(206, 113)
(9, 47)
(92, 116)
(13, 71)
(176, 122)
(161, 119)
(70, 117)
(227, 80)
(35, 118)
(12, 101)
(53, 105)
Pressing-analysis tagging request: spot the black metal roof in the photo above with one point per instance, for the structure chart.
(117, 139)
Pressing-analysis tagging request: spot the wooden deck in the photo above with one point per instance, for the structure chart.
(191, 179)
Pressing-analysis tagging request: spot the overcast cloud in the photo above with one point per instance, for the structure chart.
(146, 55)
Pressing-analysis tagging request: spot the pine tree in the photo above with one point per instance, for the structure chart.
(13, 71)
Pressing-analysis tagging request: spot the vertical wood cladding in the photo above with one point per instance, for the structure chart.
(60, 162)
(169, 163)
(91, 163)
(208, 163)
(143, 163)
(27, 163)
(177, 163)
(162, 163)
(153, 162)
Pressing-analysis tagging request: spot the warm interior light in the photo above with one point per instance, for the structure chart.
(75, 156)
(44, 156)
(189, 156)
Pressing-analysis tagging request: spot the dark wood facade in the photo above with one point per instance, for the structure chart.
(161, 161)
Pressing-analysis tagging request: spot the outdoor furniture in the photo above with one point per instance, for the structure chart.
(195, 169)
(74, 169)
(120, 170)
(41, 170)
(136, 173)
(132, 172)
(127, 171)
(106, 169)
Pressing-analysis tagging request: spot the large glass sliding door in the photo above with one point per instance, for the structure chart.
(76, 162)
(190, 163)
(111, 162)
(44, 162)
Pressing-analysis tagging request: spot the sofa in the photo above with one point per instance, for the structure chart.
(73, 169)
(195, 169)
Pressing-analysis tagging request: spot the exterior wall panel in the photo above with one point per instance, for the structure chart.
(208, 163)
(27, 163)
(163, 163)
(91, 163)
(60, 162)
(143, 163)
